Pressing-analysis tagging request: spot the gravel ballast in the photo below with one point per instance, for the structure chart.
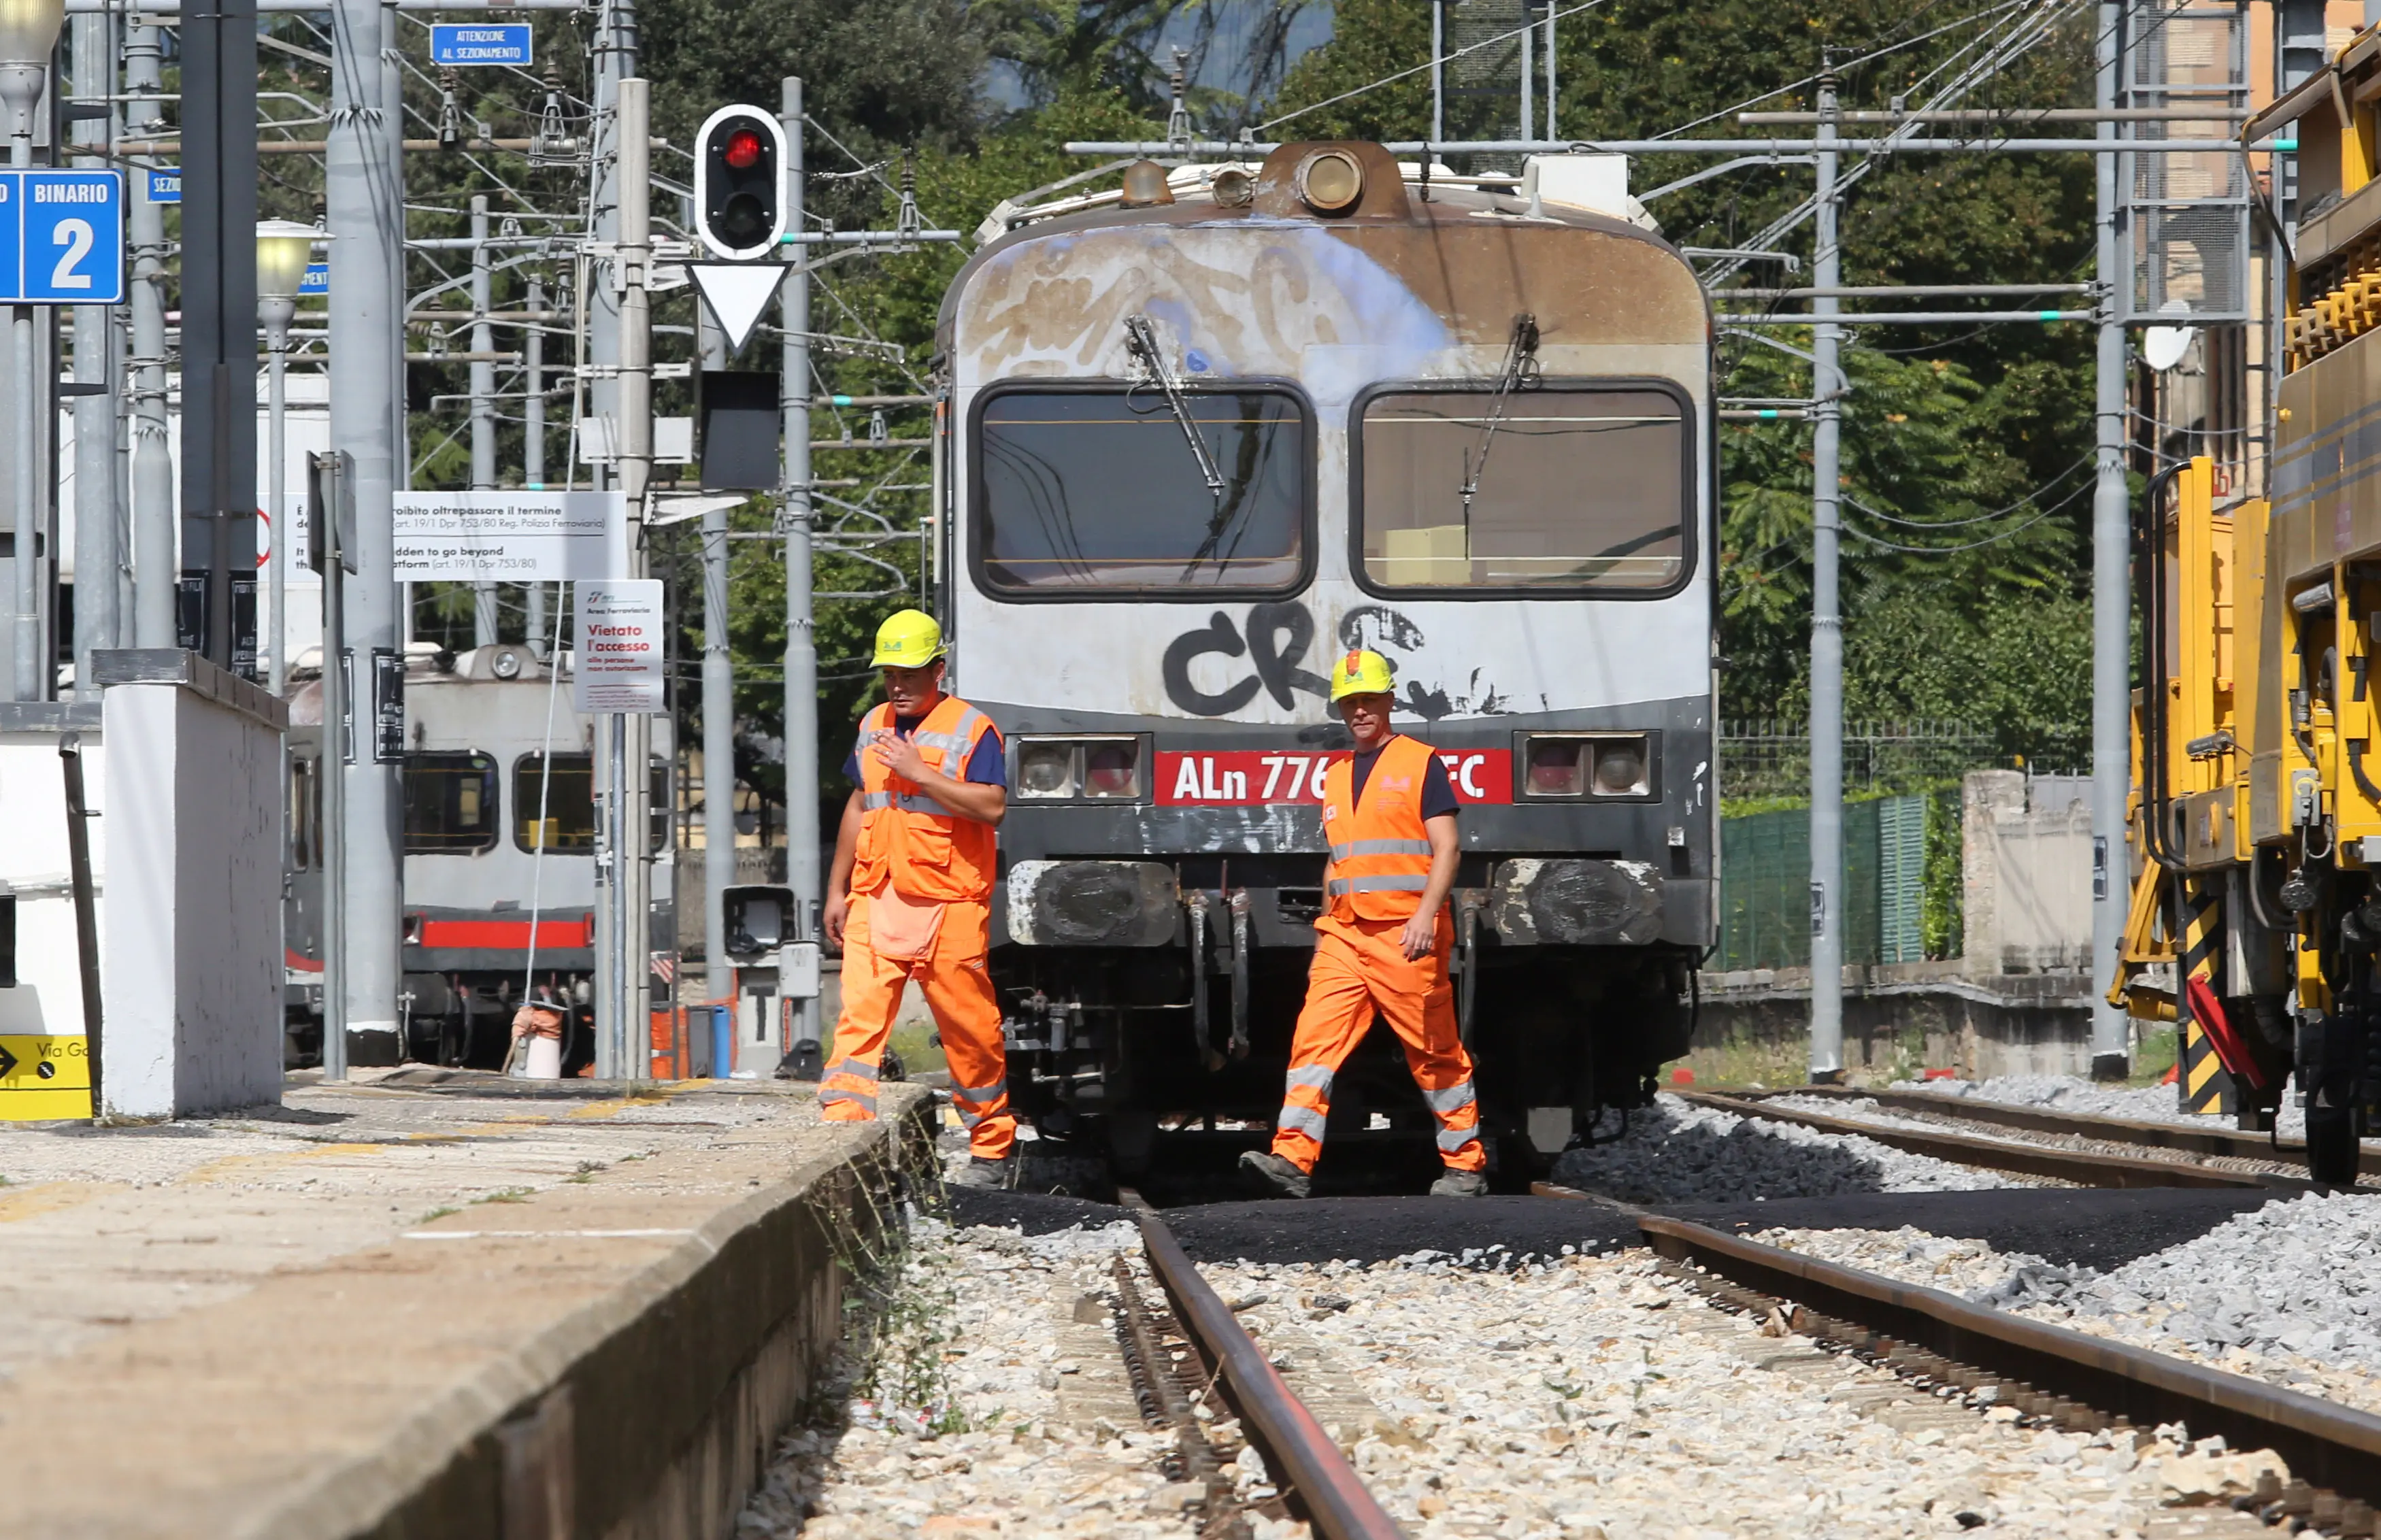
(2148, 1104)
(978, 1406)
(2286, 1293)
(1676, 1152)
(1594, 1398)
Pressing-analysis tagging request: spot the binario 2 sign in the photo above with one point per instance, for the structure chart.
(1242, 777)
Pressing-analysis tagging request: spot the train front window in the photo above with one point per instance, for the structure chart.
(1545, 488)
(450, 803)
(1083, 492)
(556, 811)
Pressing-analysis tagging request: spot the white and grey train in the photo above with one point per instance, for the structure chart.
(1207, 430)
(499, 810)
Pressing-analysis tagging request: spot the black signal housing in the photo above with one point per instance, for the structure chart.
(740, 163)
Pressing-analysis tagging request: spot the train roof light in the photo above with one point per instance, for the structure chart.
(1330, 181)
(1144, 185)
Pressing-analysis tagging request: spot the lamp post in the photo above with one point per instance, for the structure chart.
(28, 31)
(283, 249)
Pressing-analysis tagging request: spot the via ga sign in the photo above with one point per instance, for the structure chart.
(469, 43)
(61, 237)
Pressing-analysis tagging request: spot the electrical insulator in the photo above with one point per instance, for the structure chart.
(740, 206)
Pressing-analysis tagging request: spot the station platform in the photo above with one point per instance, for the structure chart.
(426, 1303)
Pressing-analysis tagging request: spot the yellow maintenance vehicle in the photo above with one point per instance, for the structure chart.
(2256, 832)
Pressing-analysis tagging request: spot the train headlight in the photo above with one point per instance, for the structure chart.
(1045, 770)
(1330, 181)
(1112, 768)
(1080, 769)
(1557, 767)
(1620, 767)
(1587, 765)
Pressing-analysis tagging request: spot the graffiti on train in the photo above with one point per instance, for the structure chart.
(1274, 639)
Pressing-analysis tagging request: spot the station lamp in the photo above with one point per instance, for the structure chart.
(283, 249)
(29, 32)
(739, 205)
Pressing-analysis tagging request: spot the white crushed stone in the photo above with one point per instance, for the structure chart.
(2148, 1104)
(1590, 1397)
(2286, 1294)
(1676, 1152)
(967, 1438)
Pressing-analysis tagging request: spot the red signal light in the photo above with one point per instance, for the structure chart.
(743, 149)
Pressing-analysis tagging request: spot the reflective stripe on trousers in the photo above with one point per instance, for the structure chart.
(1360, 969)
(975, 1102)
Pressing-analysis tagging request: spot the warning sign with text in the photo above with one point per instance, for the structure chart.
(512, 537)
(619, 665)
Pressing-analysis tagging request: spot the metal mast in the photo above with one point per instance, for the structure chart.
(1826, 628)
(801, 645)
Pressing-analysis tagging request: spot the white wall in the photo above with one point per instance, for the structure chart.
(191, 958)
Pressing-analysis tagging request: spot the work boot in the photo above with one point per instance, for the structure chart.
(980, 1172)
(1460, 1184)
(1276, 1177)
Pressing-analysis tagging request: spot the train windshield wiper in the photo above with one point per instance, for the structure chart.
(1140, 340)
(1520, 373)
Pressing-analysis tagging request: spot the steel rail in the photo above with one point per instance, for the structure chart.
(2330, 1445)
(1336, 1500)
(2000, 1154)
(2187, 1138)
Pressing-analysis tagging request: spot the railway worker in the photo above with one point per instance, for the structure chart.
(908, 896)
(1381, 942)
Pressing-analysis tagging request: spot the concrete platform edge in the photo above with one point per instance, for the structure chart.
(651, 1413)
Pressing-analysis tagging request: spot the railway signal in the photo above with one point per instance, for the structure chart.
(739, 203)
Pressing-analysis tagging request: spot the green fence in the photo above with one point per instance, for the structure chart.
(1766, 885)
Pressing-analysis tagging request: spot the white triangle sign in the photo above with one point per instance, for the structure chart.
(737, 292)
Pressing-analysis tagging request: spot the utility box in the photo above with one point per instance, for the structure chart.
(190, 954)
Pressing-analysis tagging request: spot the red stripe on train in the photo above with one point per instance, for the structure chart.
(507, 935)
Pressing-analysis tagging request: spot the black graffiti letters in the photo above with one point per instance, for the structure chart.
(1278, 636)
(1216, 636)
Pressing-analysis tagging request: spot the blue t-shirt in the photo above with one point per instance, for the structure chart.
(987, 766)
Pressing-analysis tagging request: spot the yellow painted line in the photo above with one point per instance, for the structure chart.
(49, 1197)
(231, 1166)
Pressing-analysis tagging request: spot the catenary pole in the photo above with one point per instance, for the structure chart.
(533, 445)
(2111, 602)
(1827, 630)
(155, 562)
(484, 404)
(636, 398)
(367, 224)
(718, 725)
(616, 60)
(94, 413)
(802, 789)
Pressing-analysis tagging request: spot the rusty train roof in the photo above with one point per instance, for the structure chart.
(1475, 257)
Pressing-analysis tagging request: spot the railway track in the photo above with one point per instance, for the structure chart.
(1315, 1480)
(2068, 1147)
(2054, 1377)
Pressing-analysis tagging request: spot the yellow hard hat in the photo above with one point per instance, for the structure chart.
(1359, 672)
(908, 639)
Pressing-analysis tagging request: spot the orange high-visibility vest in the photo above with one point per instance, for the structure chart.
(926, 851)
(1380, 853)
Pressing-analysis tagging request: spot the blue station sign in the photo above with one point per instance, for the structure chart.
(164, 184)
(469, 43)
(61, 237)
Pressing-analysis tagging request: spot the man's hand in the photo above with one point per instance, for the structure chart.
(899, 755)
(836, 915)
(1420, 934)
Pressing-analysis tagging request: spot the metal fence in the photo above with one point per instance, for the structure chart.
(1766, 885)
(1766, 758)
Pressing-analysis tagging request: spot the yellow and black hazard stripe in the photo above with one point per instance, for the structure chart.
(2204, 1084)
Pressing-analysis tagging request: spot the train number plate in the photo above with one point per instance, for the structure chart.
(1239, 777)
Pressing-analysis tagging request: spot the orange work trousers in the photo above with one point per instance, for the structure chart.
(1359, 969)
(967, 1013)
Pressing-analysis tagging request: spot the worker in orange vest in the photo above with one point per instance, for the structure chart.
(1381, 942)
(908, 896)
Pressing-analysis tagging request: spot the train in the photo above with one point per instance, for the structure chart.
(500, 796)
(1206, 430)
(2255, 830)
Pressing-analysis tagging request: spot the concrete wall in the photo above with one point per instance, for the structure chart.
(192, 960)
(1899, 1019)
(2026, 877)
